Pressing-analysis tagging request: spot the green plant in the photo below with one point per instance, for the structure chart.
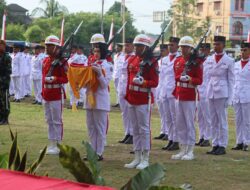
(86, 173)
(16, 161)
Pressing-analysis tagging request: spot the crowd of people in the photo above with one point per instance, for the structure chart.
(183, 92)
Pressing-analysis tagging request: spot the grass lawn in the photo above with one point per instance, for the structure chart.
(206, 172)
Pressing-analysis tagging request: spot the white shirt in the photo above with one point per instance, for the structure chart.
(36, 66)
(118, 63)
(16, 64)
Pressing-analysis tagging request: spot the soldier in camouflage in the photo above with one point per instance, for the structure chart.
(5, 72)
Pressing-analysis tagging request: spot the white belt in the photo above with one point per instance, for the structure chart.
(138, 89)
(185, 85)
(52, 86)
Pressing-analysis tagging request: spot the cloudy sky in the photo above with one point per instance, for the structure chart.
(142, 10)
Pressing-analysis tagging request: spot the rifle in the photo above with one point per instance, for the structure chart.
(116, 34)
(194, 53)
(61, 53)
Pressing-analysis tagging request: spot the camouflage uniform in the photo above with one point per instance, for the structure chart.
(5, 72)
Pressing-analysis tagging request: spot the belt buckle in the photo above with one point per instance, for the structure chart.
(136, 88)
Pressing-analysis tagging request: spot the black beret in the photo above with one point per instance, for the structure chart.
(174, 39)
(129, 40)
(17, 45)
(206, 45)
(245, 45)
(37, 47)
(219, 38)
(163, 46)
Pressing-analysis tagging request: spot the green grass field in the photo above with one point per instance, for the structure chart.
(206, 172)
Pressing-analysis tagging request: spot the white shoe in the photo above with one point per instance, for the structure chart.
(180, 154)
(135, 162)
(53, 151)
(144, 161)
(189, 155)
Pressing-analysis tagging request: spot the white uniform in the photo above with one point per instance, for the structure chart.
(16, 74)
(204, 119)
(166, 96)
(118, 63)
(158, 97)
(241, 102)
(97, 118)
(26, 70)
(219, 93)
(124, 106)
(36, 75)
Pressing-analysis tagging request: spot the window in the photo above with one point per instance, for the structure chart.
(217, 5)
(237, 28)
(239, 5)
(218, 30)
(199, 7)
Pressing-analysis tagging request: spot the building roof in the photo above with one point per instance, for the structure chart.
(16, 8)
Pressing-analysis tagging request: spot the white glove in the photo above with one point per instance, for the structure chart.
(185, 78)
(49, 79)
(97, 69)
(138, 80)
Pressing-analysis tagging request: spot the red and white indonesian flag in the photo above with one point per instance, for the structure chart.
(248, 36)
(3, 37)
(62, 33)
(111, 33)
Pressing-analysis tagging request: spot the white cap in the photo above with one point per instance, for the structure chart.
(97, 38)
(54, 40)
(142, 39)
(186, 41)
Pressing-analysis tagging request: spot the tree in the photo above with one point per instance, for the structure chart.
(15, 32)
(180, 12)
(52, 9)
(34, 34)
(2, 8)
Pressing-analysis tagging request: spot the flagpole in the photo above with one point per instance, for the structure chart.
(3, 36)
(102, 17)
(62, 33)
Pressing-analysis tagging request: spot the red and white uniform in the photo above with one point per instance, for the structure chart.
(241, 101)
(97, 117)
(26, 70)
(138, 98)
(185, 94)
(118, 63)
(53, 95)
(220, 93)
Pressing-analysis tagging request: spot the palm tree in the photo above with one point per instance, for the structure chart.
(52, 9)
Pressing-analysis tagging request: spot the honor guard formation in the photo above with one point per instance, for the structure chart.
(190, 83)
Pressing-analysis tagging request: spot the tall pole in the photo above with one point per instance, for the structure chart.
(102, 17)
(123, 21)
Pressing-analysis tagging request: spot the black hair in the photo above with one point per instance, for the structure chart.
(103, 50)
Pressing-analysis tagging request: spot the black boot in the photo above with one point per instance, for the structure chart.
(165, 138)
(174, 146)
(160, 136)
(238, 147)
(213, 150)
(168, 145)
(205, 143)
(4, 122)
(199, 143)
(245, 147)
(124, 139)
(129, 140)
(220, 151)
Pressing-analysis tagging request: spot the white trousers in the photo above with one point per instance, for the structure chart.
(185, 114)
(124, 106)
(26, 85)
(17, 87)
(219, 129)
(116, 82)
(204, 119)
(242, 120)
(11, 89)
(169, 110)
(38, 89)
(160, 104)
(53, 115)
(97, 121)
(140, 120)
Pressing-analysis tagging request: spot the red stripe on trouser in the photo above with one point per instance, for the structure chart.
(150, 126)
(107, 123)
(61, 120)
